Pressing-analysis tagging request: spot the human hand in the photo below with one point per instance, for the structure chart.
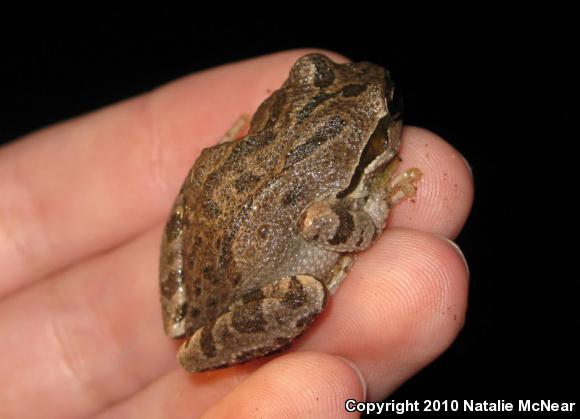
(82, 210)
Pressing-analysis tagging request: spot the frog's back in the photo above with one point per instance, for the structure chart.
(218, 188)
(232, 185)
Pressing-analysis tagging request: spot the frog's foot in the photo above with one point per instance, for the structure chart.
(235, 130)
(404, 186)
(262, 322)
(332, 226)
(171, 273)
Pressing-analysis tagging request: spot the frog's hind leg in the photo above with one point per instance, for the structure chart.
(339, 272)
(236, 129)
(173, 298)
(333, 226)
(264, 321)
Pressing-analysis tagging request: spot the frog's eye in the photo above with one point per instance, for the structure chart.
(395, 104)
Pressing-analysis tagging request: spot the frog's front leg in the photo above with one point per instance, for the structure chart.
(334, 226)
(173, 298)
(236, 129)
(404, 186)
(264, 321)
(351, 224)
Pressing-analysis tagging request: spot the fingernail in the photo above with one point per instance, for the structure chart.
(359, 373)
(468, 165)
(459, 252)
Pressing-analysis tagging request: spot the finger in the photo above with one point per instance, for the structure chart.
(305, 384)
(444, 193)
(100, 319)
(85, 185)
(402, 305)
(86, 338)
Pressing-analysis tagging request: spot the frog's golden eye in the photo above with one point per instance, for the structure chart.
(395, 104)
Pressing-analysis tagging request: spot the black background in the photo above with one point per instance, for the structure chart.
(501, 87)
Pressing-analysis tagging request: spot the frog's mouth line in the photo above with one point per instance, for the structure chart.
(381, 147)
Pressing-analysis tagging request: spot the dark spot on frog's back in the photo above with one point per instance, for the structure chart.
(245, 182)
(293, 194)
(211, 181)
(211, 275)
(331, 128)
(304, 150)
(225, 252)
(210, 208)
(289, 198)
(324, 76)
(263, 231)
(249, 145)
(249, 318)
(311, 105)
(351, 90)
(235, 278)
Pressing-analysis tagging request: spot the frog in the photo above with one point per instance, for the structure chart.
(266, 227)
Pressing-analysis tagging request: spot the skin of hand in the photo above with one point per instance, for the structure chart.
(82, 210)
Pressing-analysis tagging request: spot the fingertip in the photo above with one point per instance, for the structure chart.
(444, 193)
(459, 252)
(401, 306)
(449, 299)
(425, 275)
(356, 369)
